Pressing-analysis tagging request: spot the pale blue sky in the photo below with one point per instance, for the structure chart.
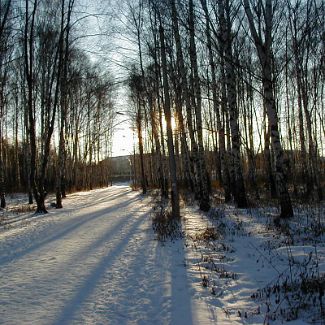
(110, 51)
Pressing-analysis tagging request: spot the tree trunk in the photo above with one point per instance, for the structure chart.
(197, 101)
(264, 49)
(281, 183)
(64, 57)
(193, 157)
(216, 106)
(239, 191)
(2, 180)
(29, 63)
(167, 110)
(140, 140)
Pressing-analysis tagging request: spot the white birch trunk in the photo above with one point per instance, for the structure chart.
(170, 142)
(264, 50)
(202, 172)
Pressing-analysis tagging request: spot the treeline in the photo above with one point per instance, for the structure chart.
(56, 106)
(229, 94)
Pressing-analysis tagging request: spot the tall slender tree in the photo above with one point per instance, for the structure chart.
(263, 44)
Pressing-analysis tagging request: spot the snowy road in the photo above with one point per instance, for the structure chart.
(94, 262)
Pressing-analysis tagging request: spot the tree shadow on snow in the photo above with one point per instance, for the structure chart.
(96, 276)
(138, 281)
(72, 224)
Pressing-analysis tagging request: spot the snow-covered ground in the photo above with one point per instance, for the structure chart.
(97, 261)
(94, 262)
(249, 272)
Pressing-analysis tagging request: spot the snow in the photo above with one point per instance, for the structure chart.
(240, 264)
(94, 262)
(97, 261)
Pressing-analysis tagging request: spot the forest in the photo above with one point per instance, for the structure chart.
(243, 84)
(56, 105)
(218, 108)
(226, 99)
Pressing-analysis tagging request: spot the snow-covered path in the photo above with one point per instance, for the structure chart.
(95, 262)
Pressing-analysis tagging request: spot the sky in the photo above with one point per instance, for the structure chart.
(110, 52)
(122, 142)
(123, 138)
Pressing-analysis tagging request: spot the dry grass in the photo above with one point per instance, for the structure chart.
(166, 226)
(23, 208)
(209, 234)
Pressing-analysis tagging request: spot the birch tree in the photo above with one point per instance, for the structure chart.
(168, 116)
(5, 34)
(263, 42)
(226, 37)
(197, 103)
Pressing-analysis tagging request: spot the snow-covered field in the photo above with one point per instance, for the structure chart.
(97, 261)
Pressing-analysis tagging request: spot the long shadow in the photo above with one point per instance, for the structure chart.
(141, 295)
(145, 295)
(95, 202)
(177, 305)
(169, 268)
(105, 189)
(69, 228)
(95, 277)
(88, 250)
(181, 312)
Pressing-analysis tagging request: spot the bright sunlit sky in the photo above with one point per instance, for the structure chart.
(123, 135)
(110, 51)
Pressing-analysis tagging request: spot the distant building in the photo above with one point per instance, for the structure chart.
(120, 168)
